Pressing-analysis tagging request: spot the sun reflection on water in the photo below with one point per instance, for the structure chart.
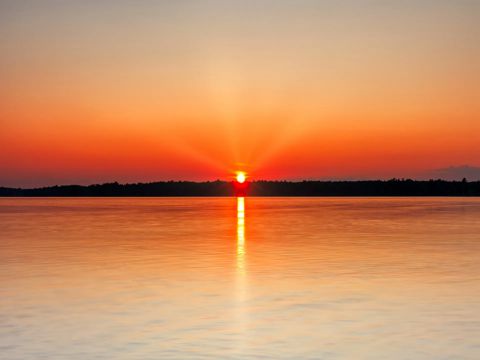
(241, 234)
(241, 314)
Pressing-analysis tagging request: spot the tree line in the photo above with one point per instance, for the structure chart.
(393, 187)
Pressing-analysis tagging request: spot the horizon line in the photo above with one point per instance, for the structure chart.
(348, 180)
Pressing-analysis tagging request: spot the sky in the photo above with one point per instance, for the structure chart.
(134, 91)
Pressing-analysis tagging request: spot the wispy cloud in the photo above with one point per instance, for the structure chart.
(457, 173)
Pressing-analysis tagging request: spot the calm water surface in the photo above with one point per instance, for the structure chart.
(226, 278)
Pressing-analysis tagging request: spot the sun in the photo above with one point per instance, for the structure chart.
(241, 177)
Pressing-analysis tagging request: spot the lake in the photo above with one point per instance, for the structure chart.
(228, 278)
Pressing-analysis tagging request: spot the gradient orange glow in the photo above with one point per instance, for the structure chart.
(151, 91)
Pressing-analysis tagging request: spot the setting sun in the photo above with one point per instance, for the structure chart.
(241, 177)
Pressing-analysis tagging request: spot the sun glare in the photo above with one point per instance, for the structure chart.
(241, 177)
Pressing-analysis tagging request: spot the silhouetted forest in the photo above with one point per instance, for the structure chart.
(394, 187)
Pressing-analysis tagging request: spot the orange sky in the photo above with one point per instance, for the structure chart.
(144, 91)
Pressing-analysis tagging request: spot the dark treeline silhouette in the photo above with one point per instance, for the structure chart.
(394, 187)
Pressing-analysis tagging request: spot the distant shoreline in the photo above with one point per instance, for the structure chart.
(371, 188)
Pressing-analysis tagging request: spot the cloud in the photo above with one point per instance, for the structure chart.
(457, 173)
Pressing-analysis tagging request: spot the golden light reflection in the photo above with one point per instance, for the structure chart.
(241, 234)
(241, 313)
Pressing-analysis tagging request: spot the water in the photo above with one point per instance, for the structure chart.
(226, 278)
